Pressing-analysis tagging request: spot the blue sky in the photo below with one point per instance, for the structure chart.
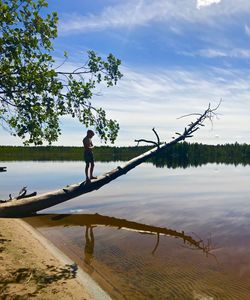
(177, 56)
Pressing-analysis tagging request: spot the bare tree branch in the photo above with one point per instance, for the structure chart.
(157, 144)
(65, 59)
(157, 136)
(73, 73)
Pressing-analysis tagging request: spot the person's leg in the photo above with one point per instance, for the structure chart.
(92, 165)
(86, 170)
(91, 169)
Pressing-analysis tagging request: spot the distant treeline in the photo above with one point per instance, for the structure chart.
(185, 155)
(179, 155)
(103, 153)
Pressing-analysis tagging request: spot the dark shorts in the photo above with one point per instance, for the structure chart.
(88, 157)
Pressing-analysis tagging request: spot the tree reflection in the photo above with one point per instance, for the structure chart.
(96, 220)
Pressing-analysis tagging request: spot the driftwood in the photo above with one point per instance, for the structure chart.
(22, 194)
(26, 196)
(33, 204)
(19, 197)
(95, 220)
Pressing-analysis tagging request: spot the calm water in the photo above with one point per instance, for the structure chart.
(158, 233)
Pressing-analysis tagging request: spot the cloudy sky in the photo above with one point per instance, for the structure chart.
(177, 57)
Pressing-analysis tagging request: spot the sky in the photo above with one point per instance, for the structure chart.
(177, 57)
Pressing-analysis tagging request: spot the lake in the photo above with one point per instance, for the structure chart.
(155, 233)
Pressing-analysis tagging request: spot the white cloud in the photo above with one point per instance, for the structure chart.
(144, 99)
(240, 53)
(215, 53)
(247, 29)
(201, 3)
(147, 98)
(210, 53)
(132, 13)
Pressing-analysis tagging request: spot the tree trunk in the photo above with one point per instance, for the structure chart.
(33, 204)
(30, 205)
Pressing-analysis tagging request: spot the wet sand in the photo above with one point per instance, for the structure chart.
(33, 267)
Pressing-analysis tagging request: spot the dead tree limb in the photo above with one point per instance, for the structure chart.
(157, 144)
(33, 204)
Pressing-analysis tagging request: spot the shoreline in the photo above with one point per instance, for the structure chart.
(33, 266)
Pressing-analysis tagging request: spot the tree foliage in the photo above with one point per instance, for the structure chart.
(33, 92)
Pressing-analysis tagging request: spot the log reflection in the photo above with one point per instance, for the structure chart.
(96, 220)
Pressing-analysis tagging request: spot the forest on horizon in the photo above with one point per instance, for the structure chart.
(180, 155)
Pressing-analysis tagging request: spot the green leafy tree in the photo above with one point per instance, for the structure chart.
(34, 93)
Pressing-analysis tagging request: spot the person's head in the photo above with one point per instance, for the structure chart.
(90, 133)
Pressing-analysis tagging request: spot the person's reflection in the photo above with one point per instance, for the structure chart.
(89, 245)
(190, 241)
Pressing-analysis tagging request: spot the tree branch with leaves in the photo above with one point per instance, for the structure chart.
(34, 93)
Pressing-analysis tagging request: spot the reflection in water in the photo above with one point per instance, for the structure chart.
(157, 243)
(133, 261)
(129, 267)
(89, 244)
(95, 220)
(114, 282)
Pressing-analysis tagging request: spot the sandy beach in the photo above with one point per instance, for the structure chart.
(32, 268)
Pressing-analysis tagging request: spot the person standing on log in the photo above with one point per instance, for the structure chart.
(88, 156)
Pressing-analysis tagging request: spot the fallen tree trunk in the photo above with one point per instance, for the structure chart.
(33, 204)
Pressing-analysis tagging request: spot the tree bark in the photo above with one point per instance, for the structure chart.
(31, 205)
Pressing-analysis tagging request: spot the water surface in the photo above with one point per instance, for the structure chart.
(158, 234)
